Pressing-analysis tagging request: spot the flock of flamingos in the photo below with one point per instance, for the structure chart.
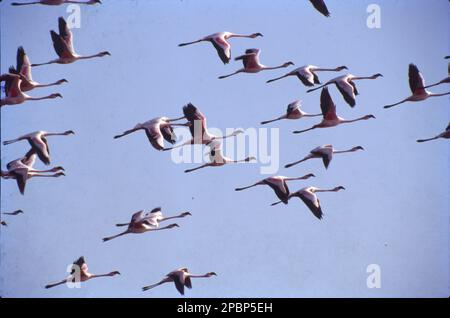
(18, 81)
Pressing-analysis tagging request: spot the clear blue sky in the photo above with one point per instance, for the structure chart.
(394, 212)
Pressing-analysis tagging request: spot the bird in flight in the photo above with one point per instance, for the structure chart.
(445, 135)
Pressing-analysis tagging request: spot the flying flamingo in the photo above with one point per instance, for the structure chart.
(198, 128)
(22, 169)
(417, 86)
(14, 94)
(325, 152)
(55, 2)
(24, 69)
(278, 185)
(157, 130)
(306, 74)
(445, 135)
(80, 273)
(155, 216)
(219, 40)
(63, 45)
(346, 85)
(293, 111)
(180, 277)
(252, 65)
(309, 197)
(217, 159)
(38, 141)
(330, 119)
(321, 7)
(144, 222)
(16, 212)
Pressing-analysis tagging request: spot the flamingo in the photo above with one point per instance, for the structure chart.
(55, 2)
(157, 130)
(325, 152)
(155, 216)
(63, 45)
(38, 141)
(14, 94)
(417, 86)
(198, 128)
(306, 74)
(445, 135)
(346, 85)
(80, 273)
(22, 169)
(16, 212)
(24, 68)
(219, 40)
(309, 197)
(444, 81)
(330, 119)
(144, 222)
(181, 277)
(278, 185)
(252, 65)
(293, 111)
(321, 7)
(217, 159)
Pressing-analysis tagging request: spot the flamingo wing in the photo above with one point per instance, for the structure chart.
(327, 105)
(137, 216)
(306, 76)
(250, 59)
(325, 153)
(12, 84)
(30, 158)
(312, 202)
(168, 133)
(40, 145)
(80, 264)
(280, 187)
(223, 49)
(416, 81)
(347, 90)
(321, 7)
(193, 115)
(65, 33)
(155, 138)
(59, 45)
(23, 64)
(21, 176)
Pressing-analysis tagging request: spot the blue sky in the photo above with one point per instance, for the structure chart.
(394, 212)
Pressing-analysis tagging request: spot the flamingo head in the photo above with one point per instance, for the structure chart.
(340, 68)
(309, 175)
(369, 116)
(62, 81)
(114, 273)
(377, 75)
(357, 148)
(104, 53)
(251, 158)
(56, 95)
(211, 274)
(339, 188)
(237, 132)
(255, 35)
(288, 63)
(186, 213)
(69, 132)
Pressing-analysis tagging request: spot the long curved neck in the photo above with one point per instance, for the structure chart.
(181, 215)
(337, 69)
(101, 275)
(199, 276)
(38, 98)
(235, 35)
(344, 151)
(434, 95)
(56, 134)
(298, 178)
(345, 121)
(272, 67)
(89, 56)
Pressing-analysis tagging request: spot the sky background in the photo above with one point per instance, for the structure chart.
(394, 213)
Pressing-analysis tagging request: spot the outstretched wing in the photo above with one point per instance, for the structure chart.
(416, 81)
(65, 33)
(223, 49)
(23, 64)
(327, 105)
(321, 7)
(312, 202)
